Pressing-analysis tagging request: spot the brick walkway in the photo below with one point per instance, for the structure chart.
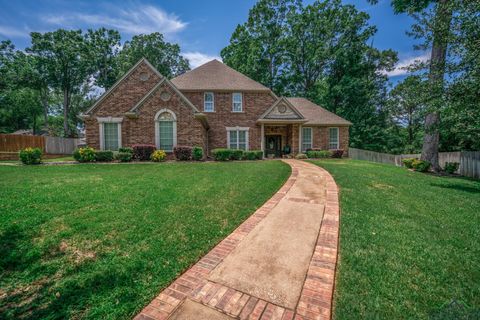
(218, 299)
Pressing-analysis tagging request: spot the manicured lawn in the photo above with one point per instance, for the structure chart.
(100, 241)
(409, 243)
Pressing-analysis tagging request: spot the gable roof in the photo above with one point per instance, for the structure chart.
(216, 76)
(317, 115)
(115, 85)
(290, 113)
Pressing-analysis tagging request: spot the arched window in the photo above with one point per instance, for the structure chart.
(165, 130)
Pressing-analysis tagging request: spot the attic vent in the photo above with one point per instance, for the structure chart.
(144, 76)
(282, 108)
(165, 95)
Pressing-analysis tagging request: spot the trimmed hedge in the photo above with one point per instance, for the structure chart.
(183, 153)
(221, 154)
(86, 154)
(125, 150)
(103, 156)
(31, 156)
(253, 155)
(124, 156)
(143, 152)
(197, 153)
(337, 153)
(421, 165)
(315, 154)
(236, 154)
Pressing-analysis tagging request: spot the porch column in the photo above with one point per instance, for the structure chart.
(299, 138)
(262, 137)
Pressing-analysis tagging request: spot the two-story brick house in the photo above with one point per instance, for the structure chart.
(212, 106)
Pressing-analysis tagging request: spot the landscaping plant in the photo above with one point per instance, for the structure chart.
(337, 153)
(31, 155)
(158, 155)
(451, 167)
(197, 153)
(143, 152)
(221, 154)
(408, 162)
(421, 165)
(183, 153)
(125, 150)
(85, 154)
(103, 155)
(300, 156)
(124, 156)
(236, 154)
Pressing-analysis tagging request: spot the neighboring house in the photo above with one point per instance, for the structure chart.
(212, 106)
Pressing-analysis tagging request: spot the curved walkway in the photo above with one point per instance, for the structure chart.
(278, 264)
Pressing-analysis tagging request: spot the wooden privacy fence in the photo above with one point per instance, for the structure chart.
(50, 145)
(469, 160)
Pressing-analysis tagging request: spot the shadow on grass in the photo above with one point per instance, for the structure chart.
(458, 187)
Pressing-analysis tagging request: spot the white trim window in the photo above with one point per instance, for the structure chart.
(237, 102)
(333, 140)
(208, 102)
(237, 138)
(307, 138)
(110, 133)
(165, 130)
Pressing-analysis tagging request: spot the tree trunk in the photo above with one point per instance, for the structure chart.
(66, 102)
(44, 98)
(443, 17)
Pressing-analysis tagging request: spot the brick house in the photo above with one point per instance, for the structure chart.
(212, 106)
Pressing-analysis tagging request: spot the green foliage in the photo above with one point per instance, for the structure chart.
(124, 156)
(197, 153)
(125, 150)
(301, 156)
(408, 162)
(421, 165)
(451, 167)
(104, 155)
(31, 155)
(158, 155)
(86, 154)
(317, 154)
(236, 154)
(253, 155)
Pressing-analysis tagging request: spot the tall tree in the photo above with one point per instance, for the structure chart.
(164, 56)
(65, 55)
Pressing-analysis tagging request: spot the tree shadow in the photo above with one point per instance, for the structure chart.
(458, 187)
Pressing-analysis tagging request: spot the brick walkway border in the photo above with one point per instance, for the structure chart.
(316, 297)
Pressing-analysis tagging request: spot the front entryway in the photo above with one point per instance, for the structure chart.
(273, 145)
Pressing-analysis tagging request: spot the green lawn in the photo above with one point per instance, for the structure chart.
(409, 243)
(100, 241)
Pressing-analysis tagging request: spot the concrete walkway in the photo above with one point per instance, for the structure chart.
(279, 264)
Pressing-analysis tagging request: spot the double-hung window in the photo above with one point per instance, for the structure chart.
(110, 133)
(166, 130)
(237, 138)
(306, 138)
(208, 102)
(333, 142)
(237, 102)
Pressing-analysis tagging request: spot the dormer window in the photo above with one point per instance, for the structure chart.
(208, 102)
(237, 105)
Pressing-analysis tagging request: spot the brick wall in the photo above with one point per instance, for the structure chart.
(321, 138)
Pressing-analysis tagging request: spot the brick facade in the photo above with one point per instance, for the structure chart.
(140, 127)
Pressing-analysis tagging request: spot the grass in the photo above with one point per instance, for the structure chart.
(100, 241)
(66, 158)
(409, 243)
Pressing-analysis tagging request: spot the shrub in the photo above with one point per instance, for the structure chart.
(337, 153)
(124, 156)
(408, 162)
(221, 154)
(318, 154)
(183, 153)
(451, 167)
(143, 152)
(236, 154)
(197, 153)
(158, 155)
(85, 154)
(301, 156)
(258, 154)
(125, 150)
(31, 156)
(421, 165)
(103, 156)
(249, 155)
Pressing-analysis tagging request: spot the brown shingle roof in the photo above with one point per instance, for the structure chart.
(315, 114)
(216, 76)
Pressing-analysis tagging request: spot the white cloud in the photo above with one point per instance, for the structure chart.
(401, 68)
(14, 32)
(135, 20)
(197, 58)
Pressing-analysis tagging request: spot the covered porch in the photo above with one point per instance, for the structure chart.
(280, 139)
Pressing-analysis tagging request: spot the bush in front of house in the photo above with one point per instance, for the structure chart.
(85, 154)
(258, 154)
(143, 152)
(221, 154)
(30, 155)
(124, 156)
(301, 156)
(408, 162)
(253, 155)
(183, 153)
(421, 165)
(236, 154)
(316, 154)
(197, 153)
(103, 155)
(125, 150)
(451, 167)
(158, 155)
(337, 153)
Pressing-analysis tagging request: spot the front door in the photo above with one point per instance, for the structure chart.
(273, 145)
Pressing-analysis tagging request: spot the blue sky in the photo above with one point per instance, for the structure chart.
(202, 28)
